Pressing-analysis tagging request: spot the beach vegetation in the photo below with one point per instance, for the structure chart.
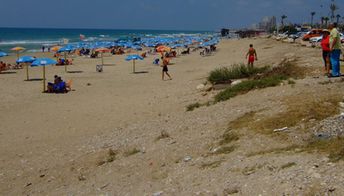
(269, 77)
(211, 165)
(225, 150)
(226, 74)
(246, 86)
(288, 165)
(163, 135)
(228, 137)
(131, 152)
(193, 106)
(109, 158)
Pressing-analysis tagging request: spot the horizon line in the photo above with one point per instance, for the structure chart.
(88, 28)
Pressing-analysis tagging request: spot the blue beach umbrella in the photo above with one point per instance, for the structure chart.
(66, 49)
(3, 54)
(42, 62)
(134, 58)
(26, 60)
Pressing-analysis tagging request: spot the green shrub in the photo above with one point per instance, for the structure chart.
(226, 74)
(248, 85)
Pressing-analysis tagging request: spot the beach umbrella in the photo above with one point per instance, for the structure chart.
(102, 50)
(55, 48)
(163, 49)
(17, 50)
(26, 60)
(65, 49)
(42, 62)
(133, 58)
(3, 54)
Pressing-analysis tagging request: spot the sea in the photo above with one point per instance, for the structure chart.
(34, 38)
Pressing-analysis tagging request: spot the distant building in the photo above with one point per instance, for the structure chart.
(224, 32)
(268, 23)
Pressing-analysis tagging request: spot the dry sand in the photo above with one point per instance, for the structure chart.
(56, 144)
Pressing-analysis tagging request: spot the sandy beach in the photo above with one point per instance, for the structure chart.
(58, 144)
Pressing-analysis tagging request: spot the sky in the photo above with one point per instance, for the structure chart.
(156, 14)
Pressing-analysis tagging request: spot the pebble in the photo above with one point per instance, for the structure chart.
(187, 158)
(158, 193)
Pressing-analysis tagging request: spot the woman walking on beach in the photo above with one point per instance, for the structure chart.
(252, 56)
(165, 62)
(326, 51)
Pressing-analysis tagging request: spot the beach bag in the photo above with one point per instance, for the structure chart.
(99, 68)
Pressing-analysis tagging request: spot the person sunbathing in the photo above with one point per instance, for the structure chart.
(60, 86)
(144, 55)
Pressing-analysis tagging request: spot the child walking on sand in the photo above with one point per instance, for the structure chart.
(165, 62)
(252, 56)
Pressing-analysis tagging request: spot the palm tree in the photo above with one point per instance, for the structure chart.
(333, 8)
(326, 19)
(312, 16)
(338, 17)
(322, 21)
(282, 19)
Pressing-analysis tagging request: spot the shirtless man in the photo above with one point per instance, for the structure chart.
(165, 62)
(251, 55)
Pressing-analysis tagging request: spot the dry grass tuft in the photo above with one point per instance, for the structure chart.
(131, 152)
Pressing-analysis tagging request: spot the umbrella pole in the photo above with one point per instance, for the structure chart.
(134, 66)
(101, 54)
(43, 78)
(27, 71)
(65, 64)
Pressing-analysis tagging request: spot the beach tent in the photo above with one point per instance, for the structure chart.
(17, 50)
(26, 60)
(133, 58)
(42, 62)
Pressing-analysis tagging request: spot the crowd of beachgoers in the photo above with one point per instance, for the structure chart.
(165, 48)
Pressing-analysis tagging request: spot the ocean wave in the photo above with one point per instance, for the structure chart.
(31, 42)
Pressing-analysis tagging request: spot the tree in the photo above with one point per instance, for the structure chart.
(333, 8)
(312, 16)
(322, 21)
(282, 19)
(338, 17)
(326, 19)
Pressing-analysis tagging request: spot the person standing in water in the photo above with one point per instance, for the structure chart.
(165, 62)
(251, 55)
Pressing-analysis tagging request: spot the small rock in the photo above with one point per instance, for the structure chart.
(200, 87)
(81, 178)
(281, 129)
(236, 82)
(28, 184)
(230, 191)
(187, 158)
(158, 193)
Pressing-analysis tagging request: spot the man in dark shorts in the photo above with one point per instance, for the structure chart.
(165, 62)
